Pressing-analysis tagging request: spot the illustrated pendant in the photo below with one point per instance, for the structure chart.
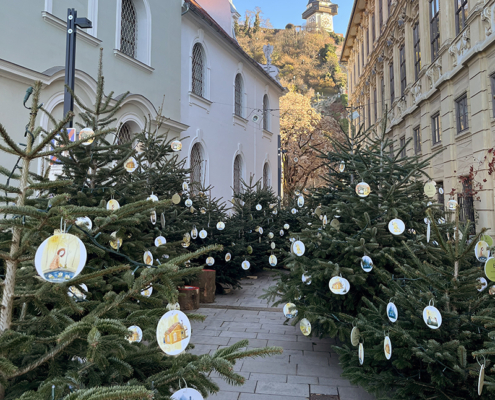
(305, 327)
(187, 394)
(84, 222)
(147, 292)
(77, 293)
(387, 348)
(272, 260)
(88, 134)
(396, 227)
(298, 248)
(366, 264)
(113, 205)
(173, 332)
(363, 189)
(392, 312)
(361, 353)
(210, 261)
(355, 336)
(148, 258)
(135, 334)
(290, 310)
(131, 165)
(432, 317)
(481, 251)
(306, 279)
(339, 285)
(203, 234)
(246, 265)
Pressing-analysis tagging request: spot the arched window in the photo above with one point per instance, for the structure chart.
(124, 134)
(266, 176)
(198, 70)
(266, 113)
(128, 30)
(198, 167)
(239, 88)
(237, 174)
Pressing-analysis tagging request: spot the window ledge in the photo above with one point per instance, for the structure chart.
(133, 61)
(462, 135)
(199, 101)
(62, 25)
(436, 145)
(240, 121)
(267, 135)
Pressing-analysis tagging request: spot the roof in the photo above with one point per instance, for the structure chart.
(199, 11)
(354, 20)
(172, 328)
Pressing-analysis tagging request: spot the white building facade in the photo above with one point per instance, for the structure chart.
(229, 102)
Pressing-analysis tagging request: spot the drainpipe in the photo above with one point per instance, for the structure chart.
(186, 10)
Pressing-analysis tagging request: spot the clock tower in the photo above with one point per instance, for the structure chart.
(319, 14)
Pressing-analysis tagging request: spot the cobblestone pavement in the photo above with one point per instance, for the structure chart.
(307, 365)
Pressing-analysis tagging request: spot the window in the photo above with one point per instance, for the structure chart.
(389, 7)
(461, 107)
(237, 174)
(128, 28)
(367, 45)
(461, 13)
(435, 129)
(359, 64)
(266, 176)
(434, 28)
(391, 150)
(492, 81)
(266, 113)
(417, 140)
(417, 51)
(375, 105)
(373, 28)
(466, 203)
(124, 135)
(392, 84)
(198, 70)
(441, 195)
(383, 95)
(403, 147)
(403, 78)
(239, 86)
(380, 13)
(198, 167)
(369, 112)
(362, 53)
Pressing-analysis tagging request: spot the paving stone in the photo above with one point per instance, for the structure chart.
(209, 332)
(353, 393)
(275, 336)
(320, 389)
(257, 330)
(307, 360)
(202, 339)
(318, 370)
(290, 345)
(200, 349)
(261, 365)
(334, 382)
(234, 329)
(302, 379)
(243, 335)
(248, 386)
(268, 377)
(244, 325)
(287, 389)
(224, 396)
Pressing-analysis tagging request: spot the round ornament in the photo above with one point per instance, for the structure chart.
(392, 312)
(185, 186)
(342, 166)
(297, 192)
(113, 205)
(203, 234)
(147, 292)
(77, 293)
(441, 221)
(306, 279)
(484, 284)
(428, 232)
(88, 134)
(188, 203)
(135, 334)
(361, 354)
(60, 258)
(260, 230)
(210, 261)
(148, 258)
(282, 232)
(250, 250)
(173, 332)
(430, 189)
(228, 257)
(272, 260)
(275, 212)
(490, 269)
(153, 198)
(246, 265)
(272, 245)
(387, 348)
(363, 189)
(440, 190)
(153, 217)
(300, 201)
(335, 224)
(481, 251)
(187, 394)
(452, 205)
(115, 242)
(432, 317)
(396, 227)
(286, 227)
(290, 310)
(194, 233)
(203, 210)
(259, 207)
(84, 222)
(270, 235)
(162, 218)
(366, 263)
(298, 248)
(491, 291)
(221, 226)
(176, 145)
(176, 198)
(305, 327)
(293, 211)
(481, 380)
(159, 241)
(339, 285)
(131, 165)
(355, 335)
(488, 239)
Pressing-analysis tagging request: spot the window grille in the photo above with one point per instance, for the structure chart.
(403, 147)
(197, 167)
(461, 14)
(266, 176)
(417, 140)
(237, 174)
(417, 51)
(435, 129)
(461, 106)
(403, 77)
(238, 95)
(434, 28)
(392, 84)
(128, 30)
(266, 113)
(198, 70)
(124, 135)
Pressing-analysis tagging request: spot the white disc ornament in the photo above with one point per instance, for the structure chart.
(366, 263)
(246, 265)
(440, 190)
(77, 293)
(185, 186)
(484, 284)
(113, 205)
(305, 327)
(286, 227)
(481, 380)
(228, 257)
(342, 166)
(148, 258)
(84, 222)
(428, 232)
(88, 134)
(210, 261)
(481, 251)
(272, 245)
(187, 394)
(270, 235)
(147, 292)
(60, 258)
(194, 233)
(176, 198)
(430, 189)
(136, 334)
(432, 317)
(131, 164)
(260, 230)
(290, 310)
(176, 145)
(293, 211)
(396, 227)
(355, 335)
(325, 220)
(361, 353)
(282, 232)
(392, 312)
(221, 226)
(300, 201)
(259, 207)
(153, 198)
(173, 332)
(203, 234)
(387, 348)
(153, 217)
(298, 248)
(115, 242)
(339, 285)
(306, 279)
(363, 189)
(188, 203)
(452, 205)
(272, 260)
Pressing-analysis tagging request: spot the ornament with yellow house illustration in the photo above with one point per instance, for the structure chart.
(363, 189)
(148, 258)
(135, 334)
(87, 133)
(305, 327)
(387, 348)
(339, 285)
(173, 332)
(130, 165)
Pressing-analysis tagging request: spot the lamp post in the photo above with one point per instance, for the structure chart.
(70, 57)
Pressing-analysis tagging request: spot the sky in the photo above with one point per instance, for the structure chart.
(282, 12)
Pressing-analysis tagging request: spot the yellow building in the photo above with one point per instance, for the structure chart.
(432, 63)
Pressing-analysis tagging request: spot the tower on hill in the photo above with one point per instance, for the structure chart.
(319, 14)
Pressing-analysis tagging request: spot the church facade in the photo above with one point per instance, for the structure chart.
(319, 15)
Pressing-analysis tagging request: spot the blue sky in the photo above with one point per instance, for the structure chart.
(282, 12)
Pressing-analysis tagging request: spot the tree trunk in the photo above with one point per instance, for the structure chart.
(207, 285)
(189, 298)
